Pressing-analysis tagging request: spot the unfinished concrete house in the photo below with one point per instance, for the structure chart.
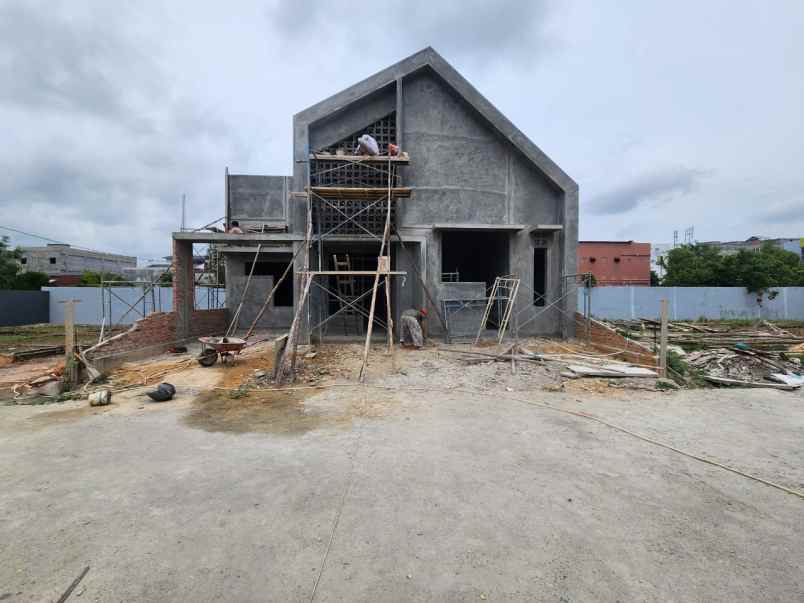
(470, 198)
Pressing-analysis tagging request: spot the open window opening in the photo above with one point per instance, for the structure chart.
(539, 276)
(474, 256)
(275, 268)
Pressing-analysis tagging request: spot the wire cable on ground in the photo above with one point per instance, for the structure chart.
(573, 413)
(346, 490)
(544, 405)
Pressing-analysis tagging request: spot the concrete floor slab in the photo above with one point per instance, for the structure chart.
(447, 496)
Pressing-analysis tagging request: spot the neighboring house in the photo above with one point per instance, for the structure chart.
(616, 262)
(65, 264)
(484, 201)
(794, 245)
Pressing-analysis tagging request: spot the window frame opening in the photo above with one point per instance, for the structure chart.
(540, 267)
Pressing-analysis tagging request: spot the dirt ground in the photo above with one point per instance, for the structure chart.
(440, 479)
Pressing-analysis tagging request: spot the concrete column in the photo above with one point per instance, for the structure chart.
(569, 258)
(400, 114)
(183, 287)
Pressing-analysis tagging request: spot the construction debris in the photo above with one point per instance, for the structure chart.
(22, 355)
(764, 335)
(101, 397)
(608, 370)
(163, 393)
(744, 367)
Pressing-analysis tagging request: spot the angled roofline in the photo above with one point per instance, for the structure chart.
(430, 58)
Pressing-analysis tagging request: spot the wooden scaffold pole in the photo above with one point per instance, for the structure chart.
(383, 265)
(285, 371)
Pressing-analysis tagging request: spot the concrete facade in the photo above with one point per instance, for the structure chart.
(61, 261)
(483, 194)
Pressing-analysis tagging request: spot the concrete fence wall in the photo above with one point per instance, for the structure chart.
(691, 303)
(89, 311)
(23, 307)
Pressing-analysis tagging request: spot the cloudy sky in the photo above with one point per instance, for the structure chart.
(668, 114)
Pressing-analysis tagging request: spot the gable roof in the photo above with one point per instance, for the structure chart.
(430, 58)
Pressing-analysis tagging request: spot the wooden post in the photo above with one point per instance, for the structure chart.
(663, 340)
(70, 365)
(381, 263)
(389, 321)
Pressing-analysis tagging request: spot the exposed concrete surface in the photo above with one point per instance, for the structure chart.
(449, 496)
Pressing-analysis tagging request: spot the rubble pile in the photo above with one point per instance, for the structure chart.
(764, 335)
(748, 368)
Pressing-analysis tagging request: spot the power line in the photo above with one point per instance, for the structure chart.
(35, 236)
(79, 247)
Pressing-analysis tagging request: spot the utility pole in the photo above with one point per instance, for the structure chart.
(183, 213)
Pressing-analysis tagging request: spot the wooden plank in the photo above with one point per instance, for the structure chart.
(402, 159)
(736, 382)
(609, 371)
(342, 192)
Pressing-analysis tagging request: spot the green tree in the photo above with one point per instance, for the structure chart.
(655, 281)
(758, 271)
(31, 281)
(93, 279)
(769, 267)
(693, 266)
(12, 275)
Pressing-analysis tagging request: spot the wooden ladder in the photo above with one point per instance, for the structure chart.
(346, 291)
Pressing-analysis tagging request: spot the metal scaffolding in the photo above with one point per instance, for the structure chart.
(349, 198)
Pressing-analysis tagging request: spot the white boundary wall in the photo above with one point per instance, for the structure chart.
(89, 312)
(691, 303)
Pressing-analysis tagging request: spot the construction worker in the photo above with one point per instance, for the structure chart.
(234, 228)
(411, 329)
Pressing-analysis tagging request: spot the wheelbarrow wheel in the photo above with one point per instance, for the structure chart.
(208, 357)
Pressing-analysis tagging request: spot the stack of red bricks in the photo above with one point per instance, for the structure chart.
(208, 322)
(160, 328)
(608, 340)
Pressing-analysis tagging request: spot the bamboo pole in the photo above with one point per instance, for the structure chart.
(287, 364)
(385, 234)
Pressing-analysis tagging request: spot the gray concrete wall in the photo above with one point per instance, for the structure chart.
(89, 311)
(262, 199)
(352, 118)
(691, 303)
(23, 307)
(463, 171)
(274, 316)
(469, 165)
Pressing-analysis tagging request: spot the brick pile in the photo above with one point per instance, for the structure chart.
(607, 340)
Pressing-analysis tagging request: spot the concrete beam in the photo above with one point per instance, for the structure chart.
(470, 226)
(221, 237)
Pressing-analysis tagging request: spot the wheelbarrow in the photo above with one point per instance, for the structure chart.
(225, 347)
